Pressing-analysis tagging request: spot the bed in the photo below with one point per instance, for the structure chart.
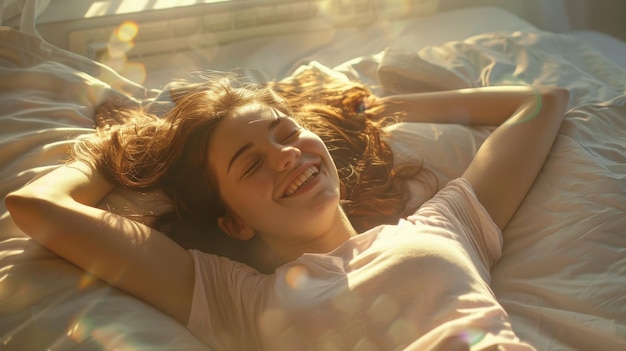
(562, 276)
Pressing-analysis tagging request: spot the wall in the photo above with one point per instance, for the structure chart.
(608, 16)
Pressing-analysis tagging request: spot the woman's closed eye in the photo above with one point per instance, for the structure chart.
(253, 167)
(294, 133)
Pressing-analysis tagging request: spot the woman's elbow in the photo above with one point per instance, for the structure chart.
(29, 209)
(18, 201)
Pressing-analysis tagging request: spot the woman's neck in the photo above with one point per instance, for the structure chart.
(338, 233)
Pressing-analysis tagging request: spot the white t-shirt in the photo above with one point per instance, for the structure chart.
(396, 287)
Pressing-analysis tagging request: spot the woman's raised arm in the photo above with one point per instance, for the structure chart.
(508, 162)
(57, 211)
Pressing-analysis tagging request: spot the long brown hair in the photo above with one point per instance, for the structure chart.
(169, 152)
(350, 121)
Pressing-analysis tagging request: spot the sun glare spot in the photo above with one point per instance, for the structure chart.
(472, 336)
(115, 54)
(109, 336)
(296, 277)
(85, 281)
(119, 48)
(325, 6)
(79, 331)
(127, 31)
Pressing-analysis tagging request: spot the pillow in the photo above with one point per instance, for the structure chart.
(444, 150)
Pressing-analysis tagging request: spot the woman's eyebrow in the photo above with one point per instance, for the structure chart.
(247, 146)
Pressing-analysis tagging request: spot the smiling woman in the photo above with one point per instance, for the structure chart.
(372, 189)
(263, 182)
(301, 168)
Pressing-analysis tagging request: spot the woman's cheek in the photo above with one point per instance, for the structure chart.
(260, 184)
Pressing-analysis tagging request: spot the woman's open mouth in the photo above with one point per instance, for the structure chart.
(302, 180)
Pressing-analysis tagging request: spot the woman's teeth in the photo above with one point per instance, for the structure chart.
(301, 180)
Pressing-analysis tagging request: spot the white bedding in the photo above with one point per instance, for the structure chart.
(562, 277)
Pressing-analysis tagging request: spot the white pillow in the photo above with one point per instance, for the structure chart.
(445, 151)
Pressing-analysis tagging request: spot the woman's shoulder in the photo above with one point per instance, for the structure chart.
(226, 294)
(457, 193)
(456, 210)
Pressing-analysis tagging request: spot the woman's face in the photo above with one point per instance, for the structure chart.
(277, 178)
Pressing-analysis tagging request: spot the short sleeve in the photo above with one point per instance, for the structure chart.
(227, 298)
(457, 209)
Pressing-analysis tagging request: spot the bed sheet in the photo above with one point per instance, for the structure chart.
(610, 47)
(562, 274)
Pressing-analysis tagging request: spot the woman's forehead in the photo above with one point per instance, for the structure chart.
(258, 112)
(245, 123)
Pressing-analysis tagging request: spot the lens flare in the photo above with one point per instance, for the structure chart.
(472, 336)
(85, 281)
(109, 336)
(296, 277)
(127, 31)
(121, 42)
(119, 49)
(78, 331)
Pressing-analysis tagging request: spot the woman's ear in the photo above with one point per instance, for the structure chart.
(235, 229)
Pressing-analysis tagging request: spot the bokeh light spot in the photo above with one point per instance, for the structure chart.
(116, 52)
(117, 49)
(127, 31)
(472, 336)
(85, 281)
(296, 277)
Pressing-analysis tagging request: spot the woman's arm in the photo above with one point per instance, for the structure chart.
(479, 106)
(57, 211)
(508, 162)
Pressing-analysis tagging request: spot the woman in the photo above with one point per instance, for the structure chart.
(419, 284)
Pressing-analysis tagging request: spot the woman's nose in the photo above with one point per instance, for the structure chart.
(286, 156)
